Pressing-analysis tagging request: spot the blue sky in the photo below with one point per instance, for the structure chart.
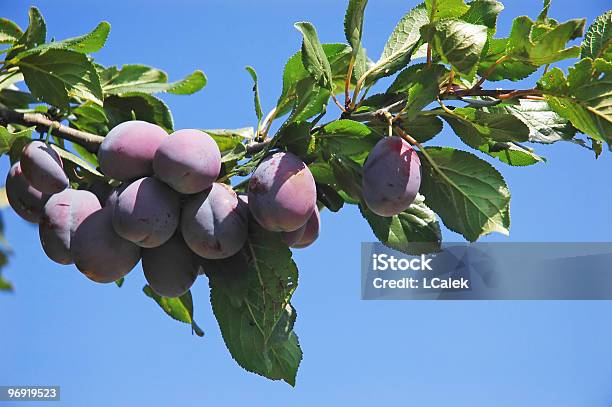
(113, 347)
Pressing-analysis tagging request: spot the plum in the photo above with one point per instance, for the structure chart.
(128, 149)
(188, 160)
(391, 177)
(147, 212)
(214, 223)
(26, 201)
(62, 214)
(99, 252)
(43, 168)
(114, 195)
(282, 193)
(311, 231)
(170, 269)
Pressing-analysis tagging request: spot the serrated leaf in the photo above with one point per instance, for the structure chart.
(545, 126)
(347, 137)
(597, 41)
(145, 79)
(421, 83)
(496, 126)
(510, 69)
(35, 34)
(180, 308)
(404, 40)
(422, 128)
(353, 24)
(468, 194)
(311, 99)
(483, 12)
(16, 99)
(313, 56)
(582, 98)
(74, 161)
(90, 118)
(458, 43)
(9, 31)
(441, 9)
(295, 73)
(235, 154)
(256, 101)
(506, 152)
(296, 138)
(84, 44)
(227, 139)
(257, 319)
(414, 231)
(56, 76)
(137, 106)
(547, 46)
(7, 138)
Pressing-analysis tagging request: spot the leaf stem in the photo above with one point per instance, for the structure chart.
(335, 99)
(347, 83)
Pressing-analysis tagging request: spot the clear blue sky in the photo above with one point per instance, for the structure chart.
(114, 347)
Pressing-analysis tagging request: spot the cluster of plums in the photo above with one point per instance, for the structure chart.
(168, 210)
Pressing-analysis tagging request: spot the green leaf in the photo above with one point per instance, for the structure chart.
(483, 12)
(35, 34)
(256, 101)
(145, 79)
(496, 126)
(414, 231)
(348, 174)
(84, 169)
(120, 282)
(547, 46)
(422, 85)
(137, 106)
(507, 152)
(458, 43)
(329, 197)
(16, 99)
(84, 44)
(90, 118)
(423, 128)
(7, 138)
(598, 38)
(227, 139)
(543, 17)
(235, 154)
(545, 126)
(9, 31)
(313, 56)
(296, 138)
(441, 9)
(180, 308)
(347, 137)
(311, 99)
(56, 76)
(510, 69)
(295, 75)
(468, 194)
(582, 98)
(353, 24)
(253, 308)
(404, 40)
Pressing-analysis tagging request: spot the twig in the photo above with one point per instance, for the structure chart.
(335, 99)
(489, 71)
(89, 141)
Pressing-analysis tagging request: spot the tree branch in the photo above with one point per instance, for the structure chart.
(89, 141)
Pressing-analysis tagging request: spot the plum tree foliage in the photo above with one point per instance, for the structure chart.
(110, 182)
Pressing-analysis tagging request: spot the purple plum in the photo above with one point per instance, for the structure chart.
(43, 168)
(26, 201)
